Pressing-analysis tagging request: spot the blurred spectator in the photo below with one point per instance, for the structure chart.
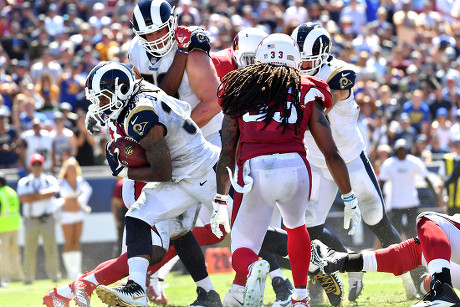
(103, 46)
(387, 104)
(118, 210)
(37, 192)
(441, 127)
(49, 91)
(8, 142)
(37, 140)
(450, 174)
(64, 142)
(29, 112)
(296, 13)
(70, 118)
(10, 222)
(54, 23)
(355, 12)
(436, 101)
(420, 150)
(435, 146)
(75, 192)
(71, 85)
(99, 19)
(405, 130)
(401, 170)
(85, 142)
(186, 9)
(455, 128)
(418, 112)
(405, 21)
(411, 82)
(46, 65)
(20, 71)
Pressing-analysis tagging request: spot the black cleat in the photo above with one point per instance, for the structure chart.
(207, 299)
(441, 295)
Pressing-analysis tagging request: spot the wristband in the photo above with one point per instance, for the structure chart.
(351, 193)
(182, 51)
(221, 199)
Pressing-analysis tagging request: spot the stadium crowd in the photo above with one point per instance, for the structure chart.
(406, 53)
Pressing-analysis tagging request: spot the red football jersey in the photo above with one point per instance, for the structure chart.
(223, 62)
(257, 142)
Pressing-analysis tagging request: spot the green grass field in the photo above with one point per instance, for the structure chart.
(380, 289)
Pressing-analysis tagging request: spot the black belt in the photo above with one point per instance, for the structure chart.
(43, 218)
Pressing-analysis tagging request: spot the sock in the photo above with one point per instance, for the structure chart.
(165, 269)
(66, 291)
(276, 273)
(205, 283)
(299, 254)
(91, 278)
(354, 263)
(192, 257)
(113, 270)
(433, 240)
(240, 279)
(138, 270)
(236, 287)
(437, 266)
(369, 262)
(241, 259)
(408, 253)
(299, 293)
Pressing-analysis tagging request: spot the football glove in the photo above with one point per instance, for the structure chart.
(351, 212)
(117, 168)
(220, 215)
(189, 40)
(91, 123)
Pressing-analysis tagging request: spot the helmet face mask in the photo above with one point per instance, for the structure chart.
(279, 49)
(150, 16)
(315, 46)
(245, 44)
(109, 87)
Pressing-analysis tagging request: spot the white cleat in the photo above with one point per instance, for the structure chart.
(234, 297)
(129, 295)
(255, 285)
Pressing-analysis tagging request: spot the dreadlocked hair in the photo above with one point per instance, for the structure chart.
(262, 89)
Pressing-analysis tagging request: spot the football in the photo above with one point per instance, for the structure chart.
(131, 152)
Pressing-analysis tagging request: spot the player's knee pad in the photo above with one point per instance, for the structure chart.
(408, 253)
(138, 237)
(385, 232)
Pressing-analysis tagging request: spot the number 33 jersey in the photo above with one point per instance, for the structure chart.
(255, 140)
(191, 154)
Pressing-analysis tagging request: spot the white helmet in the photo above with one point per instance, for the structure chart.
(279, 49)
(315, 45)
(114, 81)
(150, 16)
(245, 44)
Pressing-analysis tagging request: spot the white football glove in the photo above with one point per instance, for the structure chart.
(351, 212)
(220, 215)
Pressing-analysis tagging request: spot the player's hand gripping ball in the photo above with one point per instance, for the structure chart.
(131, 153)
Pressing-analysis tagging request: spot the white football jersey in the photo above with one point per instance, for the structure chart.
(343, 118)
(191, 154)
(153, 69)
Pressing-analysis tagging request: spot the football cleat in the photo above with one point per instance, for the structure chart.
(440, 295)
(355, 283)
(155, 293)
(332, 285)
(255, 285)
(131, 295)
(83, 290)
(53, 299)
(207, 299)
(283, 290)
(300, 303)
(234, 297)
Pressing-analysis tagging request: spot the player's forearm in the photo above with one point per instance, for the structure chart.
(147, 174)
(173, 78)
(222, 177)
(339, 171)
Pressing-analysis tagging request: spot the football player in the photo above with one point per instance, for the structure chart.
(316, 60)
(180, 166)
(268, 107)
(436, 247)
(241, 54)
